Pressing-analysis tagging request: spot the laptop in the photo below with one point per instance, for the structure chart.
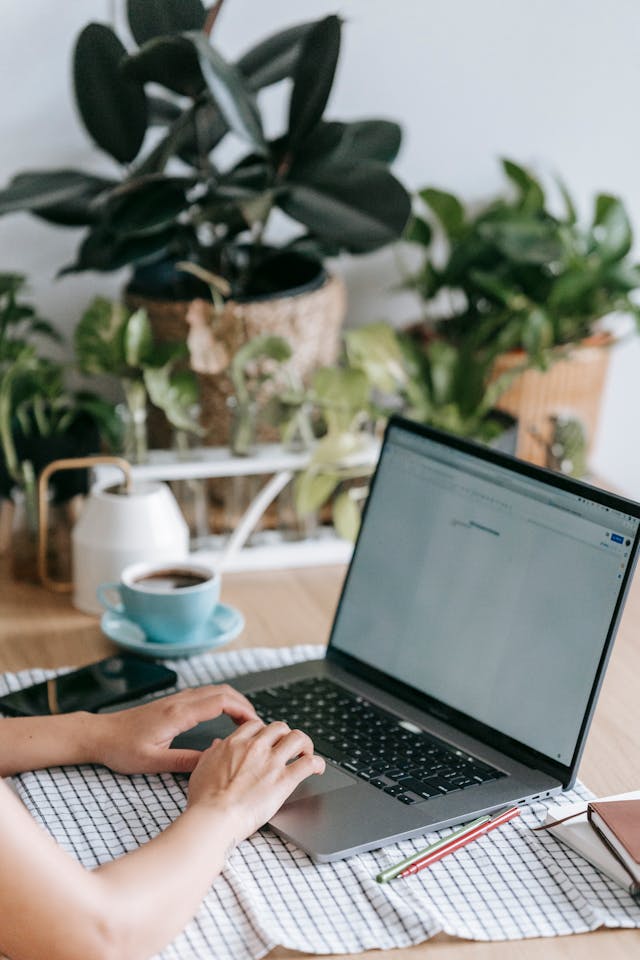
(467, 650)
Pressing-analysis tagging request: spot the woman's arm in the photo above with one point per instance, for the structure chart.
(129, 741)
(51, 907)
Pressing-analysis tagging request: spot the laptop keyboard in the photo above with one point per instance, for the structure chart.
(407, 764)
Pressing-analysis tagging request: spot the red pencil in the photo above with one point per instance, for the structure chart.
(503, 817)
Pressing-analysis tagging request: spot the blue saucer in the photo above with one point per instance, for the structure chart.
(224, 625)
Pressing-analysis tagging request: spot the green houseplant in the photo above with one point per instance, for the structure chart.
(171, 198)
(40, 419)
(171, 111)
(520, 284)
(114, 341)
(385, 371)
(522, 276)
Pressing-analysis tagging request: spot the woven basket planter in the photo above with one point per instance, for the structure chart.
(573, 386)
(310, 321)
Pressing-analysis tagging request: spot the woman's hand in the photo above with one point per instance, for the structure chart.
(252, 772)
(138, 740)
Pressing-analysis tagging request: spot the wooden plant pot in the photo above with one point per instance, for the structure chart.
(573, 386)
(311, 321)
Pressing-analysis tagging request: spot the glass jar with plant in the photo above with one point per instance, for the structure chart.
(186, 192)
(114, 341)
(40, 421)
(520, 283)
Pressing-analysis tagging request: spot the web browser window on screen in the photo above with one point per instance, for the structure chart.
(490, 592)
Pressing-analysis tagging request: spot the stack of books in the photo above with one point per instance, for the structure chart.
(606, 833)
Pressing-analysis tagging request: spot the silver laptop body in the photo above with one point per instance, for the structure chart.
(479, 608)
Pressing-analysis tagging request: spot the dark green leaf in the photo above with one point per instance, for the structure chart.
(447, 209)
(11, 283)
(155, 18)
(162, 112)
(496, 289)
(622, 276)
(169, 61)
(49, 190)
(205, 130)
(359, 207)
(323, 142)
(524, 241)
(371, 140)
(230, 92)
(147, 205)
(612, 232)
(346, 142)
(273, 59)
(180, 134)
(114, 109)
(418, 231)
(531, 193)
(537, 334)
(571, 287)
(313, 79)
(103, 251)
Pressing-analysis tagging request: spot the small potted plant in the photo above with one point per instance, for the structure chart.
(524, 286)
(177, 197)
(40, 421)
(385, 371)
(112, 340)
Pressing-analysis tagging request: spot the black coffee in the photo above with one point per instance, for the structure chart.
(163, 581)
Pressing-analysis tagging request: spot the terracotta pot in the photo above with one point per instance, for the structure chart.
(310, 320)
(572, 386)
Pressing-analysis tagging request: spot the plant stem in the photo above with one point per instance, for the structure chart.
(136, 401)
(6, 433)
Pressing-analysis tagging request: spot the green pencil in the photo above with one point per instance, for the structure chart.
(392, 872)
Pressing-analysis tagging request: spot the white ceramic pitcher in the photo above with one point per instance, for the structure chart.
(120, 524)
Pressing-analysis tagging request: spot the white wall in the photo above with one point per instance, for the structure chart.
(553, 83)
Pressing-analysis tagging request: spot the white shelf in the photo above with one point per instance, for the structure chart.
(270, 459)
(325, 550)
(204, 462)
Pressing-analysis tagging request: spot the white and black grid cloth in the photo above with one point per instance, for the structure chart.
(508, 885)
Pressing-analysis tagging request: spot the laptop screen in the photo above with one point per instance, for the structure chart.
(489, 590)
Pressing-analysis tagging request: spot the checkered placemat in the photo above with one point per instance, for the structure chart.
(510, 884)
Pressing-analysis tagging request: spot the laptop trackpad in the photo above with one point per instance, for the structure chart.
(313, 786)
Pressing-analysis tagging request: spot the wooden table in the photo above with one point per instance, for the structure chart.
(284, 608)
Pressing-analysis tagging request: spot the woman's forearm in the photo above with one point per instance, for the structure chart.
(31, 743)
(131, 907)
(155, 891)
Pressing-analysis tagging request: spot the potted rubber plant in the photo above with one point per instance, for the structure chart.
(527, 286)
(168, 110)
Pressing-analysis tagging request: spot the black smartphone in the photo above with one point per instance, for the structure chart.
(102, 684)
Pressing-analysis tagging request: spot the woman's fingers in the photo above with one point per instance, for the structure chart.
(293, 744)
(194, 706)
(305, 766)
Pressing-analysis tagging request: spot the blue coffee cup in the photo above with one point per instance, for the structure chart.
(170, 602)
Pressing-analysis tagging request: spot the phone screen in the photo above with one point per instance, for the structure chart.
(114, 680)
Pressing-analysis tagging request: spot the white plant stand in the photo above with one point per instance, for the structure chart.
(270, 550)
